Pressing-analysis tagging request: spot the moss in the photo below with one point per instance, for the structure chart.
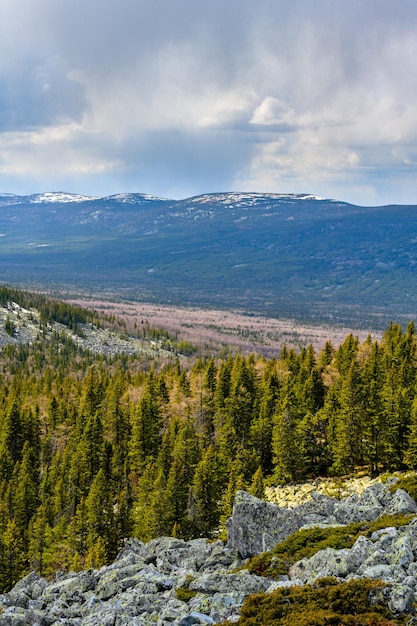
(408, 482)
(184, 594)
(327, 603)
(304, 543)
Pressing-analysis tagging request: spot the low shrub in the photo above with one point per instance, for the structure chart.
(326, 603)
(184, 594)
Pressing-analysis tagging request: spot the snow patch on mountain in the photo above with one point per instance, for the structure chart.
(237, 199)
(58, 196)
(134, 198)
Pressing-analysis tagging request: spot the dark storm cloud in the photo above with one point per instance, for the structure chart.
(195, 95)
(38, 95)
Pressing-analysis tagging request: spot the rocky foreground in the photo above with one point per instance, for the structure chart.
(172, 582)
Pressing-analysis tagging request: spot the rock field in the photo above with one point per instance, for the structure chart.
(172, 582)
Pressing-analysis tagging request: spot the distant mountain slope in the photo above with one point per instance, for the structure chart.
(285, 254)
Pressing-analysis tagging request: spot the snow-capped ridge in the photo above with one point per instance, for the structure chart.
(134, 198)
(248, 198)
(58, 196)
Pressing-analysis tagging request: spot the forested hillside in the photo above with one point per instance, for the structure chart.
(95, 449)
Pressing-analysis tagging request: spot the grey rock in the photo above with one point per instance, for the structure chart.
(378, 557)
(32, 584)
(327, 562)
(401, 502)
(18, 616)
(401, 599)
(389, 531)
(361, 550)
(377, 572)
(375, 495)
(346, 513)
(242, 582)
(219, 606)
(257, 526)
(402, 553)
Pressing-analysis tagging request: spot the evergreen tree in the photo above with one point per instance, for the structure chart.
(348, 449)
(257, 487)
(410, 456)
(12, 559)
(40, 536)
(25, 493)
(314, 445)
(11, 439)
(100, 516)
(180, 477)
(286, 444)
(204, 509)
(146, 431)
(374, 427)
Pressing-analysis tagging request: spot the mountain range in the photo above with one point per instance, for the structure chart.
(282, 254)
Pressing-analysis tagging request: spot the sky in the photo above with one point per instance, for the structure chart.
(181, 97)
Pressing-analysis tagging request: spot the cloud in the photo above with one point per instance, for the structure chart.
(183, 96)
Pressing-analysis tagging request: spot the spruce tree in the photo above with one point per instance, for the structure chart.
(205, 494)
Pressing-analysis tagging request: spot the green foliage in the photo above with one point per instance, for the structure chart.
(326, 603)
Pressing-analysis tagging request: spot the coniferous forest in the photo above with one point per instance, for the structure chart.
(96, 449)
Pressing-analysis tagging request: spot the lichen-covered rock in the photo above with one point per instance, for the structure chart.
(242, 582)
(401, 502)
(327, 562)
(18, 616)
(257, 526)
(361, 550)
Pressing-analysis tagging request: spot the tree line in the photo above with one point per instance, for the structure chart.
(94, 450)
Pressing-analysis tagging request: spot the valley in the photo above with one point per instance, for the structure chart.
(214, 330)
(319, 261)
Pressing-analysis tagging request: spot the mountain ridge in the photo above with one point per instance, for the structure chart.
(284, 254)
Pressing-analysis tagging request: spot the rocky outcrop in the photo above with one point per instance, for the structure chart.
(390, 555)
(173, 582)
(256, 526)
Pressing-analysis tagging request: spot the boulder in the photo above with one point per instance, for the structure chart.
(257, 526)
(401, 502)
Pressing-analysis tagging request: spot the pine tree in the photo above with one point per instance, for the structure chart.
(374, 426)
(257, 487)
(180, 477)
(314, 445)
(25, 493)
(12, 559)
(146, 431)
(100, 516)
(40, 536)
(235, 483)
(285, 441)
(348, 448)
(410, 456)
(204, 509)
(11, 439)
